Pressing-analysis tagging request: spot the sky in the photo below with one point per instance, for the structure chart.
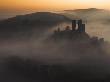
(43, 5)
(7, 7)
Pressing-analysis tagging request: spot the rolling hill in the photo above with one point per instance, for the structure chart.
(25, 24)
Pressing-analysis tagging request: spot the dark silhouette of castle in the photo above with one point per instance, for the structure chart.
(77, 31)
(81, 26)
(77, 26)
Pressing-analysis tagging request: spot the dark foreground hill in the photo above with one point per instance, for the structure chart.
(79, 62)
(60, 59)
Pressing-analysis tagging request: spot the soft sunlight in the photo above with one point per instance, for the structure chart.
(52, 4)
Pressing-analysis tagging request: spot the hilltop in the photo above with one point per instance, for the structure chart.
(24, 25)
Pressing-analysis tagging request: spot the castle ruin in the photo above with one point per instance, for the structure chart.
(77, 26)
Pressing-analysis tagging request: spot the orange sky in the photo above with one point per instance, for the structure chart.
(44, 5)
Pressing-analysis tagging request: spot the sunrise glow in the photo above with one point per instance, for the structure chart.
(52, 4)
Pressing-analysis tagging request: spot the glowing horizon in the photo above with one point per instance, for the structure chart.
(45, 5)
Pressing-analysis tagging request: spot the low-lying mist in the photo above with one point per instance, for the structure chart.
(74, 57)
(43, 59)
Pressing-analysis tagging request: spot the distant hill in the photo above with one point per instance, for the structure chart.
(24, 24)
(85, 10)
(90, 14)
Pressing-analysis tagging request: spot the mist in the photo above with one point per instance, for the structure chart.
(72, 60)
